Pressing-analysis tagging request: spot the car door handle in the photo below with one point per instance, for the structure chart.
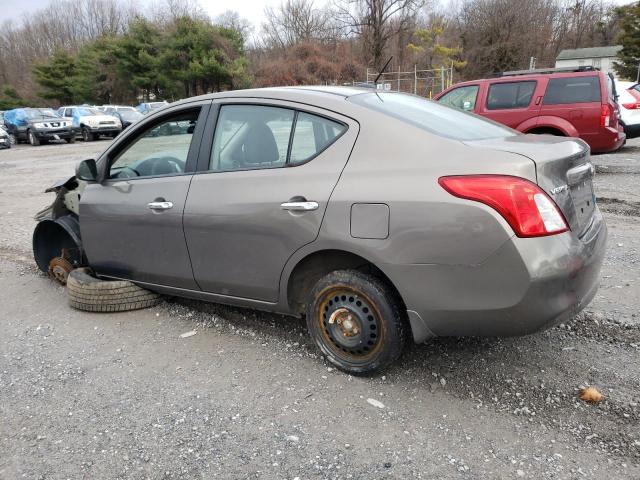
(299, 206)
(160, 205)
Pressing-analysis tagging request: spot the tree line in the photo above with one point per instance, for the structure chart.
(107, 51)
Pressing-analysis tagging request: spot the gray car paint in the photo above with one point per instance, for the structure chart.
(457, 264)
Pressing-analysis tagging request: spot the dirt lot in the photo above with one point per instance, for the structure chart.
(104, 396)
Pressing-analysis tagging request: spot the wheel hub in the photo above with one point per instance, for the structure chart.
(350, 323)
(59, 269)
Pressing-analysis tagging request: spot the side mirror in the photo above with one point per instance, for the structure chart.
(87, 170)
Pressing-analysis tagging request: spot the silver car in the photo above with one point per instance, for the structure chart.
(378, 216)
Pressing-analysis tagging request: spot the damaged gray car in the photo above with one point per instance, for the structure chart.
(378, 217)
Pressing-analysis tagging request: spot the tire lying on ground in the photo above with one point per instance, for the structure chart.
(88, 293)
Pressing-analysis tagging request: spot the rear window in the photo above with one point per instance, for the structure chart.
(510, 95)
(431, 116)
(572, 90)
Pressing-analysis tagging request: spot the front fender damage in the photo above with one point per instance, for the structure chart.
(57, 243)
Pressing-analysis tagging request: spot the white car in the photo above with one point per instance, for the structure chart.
(629, 101)
(91, 123)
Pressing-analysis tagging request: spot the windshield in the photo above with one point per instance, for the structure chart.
(130, 115)
(431, 116)
(87, 112)
(40, 112)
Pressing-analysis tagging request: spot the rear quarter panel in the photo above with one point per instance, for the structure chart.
(396, 164)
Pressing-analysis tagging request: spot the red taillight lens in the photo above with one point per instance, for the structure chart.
(524, 205)
(631, 106)
(605, 115)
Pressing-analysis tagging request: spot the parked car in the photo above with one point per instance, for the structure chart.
(149, 107)
(127, 115)
(91, 123)
(37, 126)
(375, 215)
(6, 140)
(564, 102)
(629, 101)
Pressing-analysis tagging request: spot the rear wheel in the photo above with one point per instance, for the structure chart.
(356, 321)
(71, 139)
(33, 140)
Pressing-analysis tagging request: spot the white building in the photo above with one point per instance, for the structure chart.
(597, 57)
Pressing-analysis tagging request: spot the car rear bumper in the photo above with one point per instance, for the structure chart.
(607, 139)
(632, 130)
(527, 285)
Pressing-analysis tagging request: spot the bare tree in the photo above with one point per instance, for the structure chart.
(295, 21)
(376, 22)
(232, 19)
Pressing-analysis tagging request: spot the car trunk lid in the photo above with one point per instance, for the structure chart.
(563, 171)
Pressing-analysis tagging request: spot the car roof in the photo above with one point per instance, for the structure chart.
(533, 76)
(314, 95)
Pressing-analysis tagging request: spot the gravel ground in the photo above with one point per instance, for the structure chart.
(115, 396)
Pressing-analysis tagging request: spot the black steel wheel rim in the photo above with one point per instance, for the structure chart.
(350, 324)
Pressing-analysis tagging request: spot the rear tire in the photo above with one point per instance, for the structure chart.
(90, 294)
(71, 139)
(356, 321)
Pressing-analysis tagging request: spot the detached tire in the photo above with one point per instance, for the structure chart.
(356, 321)
(91, 294)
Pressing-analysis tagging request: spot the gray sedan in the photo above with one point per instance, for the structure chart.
(379, 217)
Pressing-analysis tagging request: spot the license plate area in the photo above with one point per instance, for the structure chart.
(583, 202)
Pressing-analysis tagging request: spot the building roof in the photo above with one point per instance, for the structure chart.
(593, 52)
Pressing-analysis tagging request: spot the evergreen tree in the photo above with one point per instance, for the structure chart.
(629, 57)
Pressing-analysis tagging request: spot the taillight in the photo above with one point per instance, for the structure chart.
(524, 205)
(605, 115)
(631, 106)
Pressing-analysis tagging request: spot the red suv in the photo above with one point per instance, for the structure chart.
(568, 102)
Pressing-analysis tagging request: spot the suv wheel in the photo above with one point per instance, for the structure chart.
(33, 140)
(356, 321)
(86, 135)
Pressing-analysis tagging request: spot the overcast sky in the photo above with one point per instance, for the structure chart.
(249, 9)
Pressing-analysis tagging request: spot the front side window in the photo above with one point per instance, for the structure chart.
(463, 98)
(160, 150)
(431, 116)
(510, 95)
(572, 90)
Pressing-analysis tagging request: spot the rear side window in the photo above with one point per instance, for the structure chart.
(312, 135)
(250, 137)
(431, 116)
(510, 95)
(572, 90)
(463, 98)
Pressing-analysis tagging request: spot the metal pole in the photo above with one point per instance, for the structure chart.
(638, 75)
(415, 78)
(398, 77)
(441, 79)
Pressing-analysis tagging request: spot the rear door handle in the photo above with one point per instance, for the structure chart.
(160, 205)
(299, 206)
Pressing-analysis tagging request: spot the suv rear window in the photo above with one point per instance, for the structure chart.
(510, 95)
(572, 90)
(431, 116)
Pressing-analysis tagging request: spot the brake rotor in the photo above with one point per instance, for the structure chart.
(59, 269)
